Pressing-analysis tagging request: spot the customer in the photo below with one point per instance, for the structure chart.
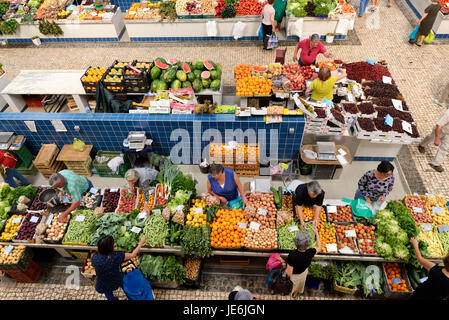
(107, 266)
(268, 26)
(142, 178)
(323, 85)
(8, 170)
(238, 293)
(374, 5)
(309, 195)
(440, 138)
(298, 261)
(362, 8)
(224, 184)
(310, 48)
(426, 22)
(376, 184)
(279, 7)
(72, 184)
(444, 99)
(436, 287)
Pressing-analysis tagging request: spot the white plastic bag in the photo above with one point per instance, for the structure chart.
(296, 28)
(343, 26)
(211, 27)
(237, 32)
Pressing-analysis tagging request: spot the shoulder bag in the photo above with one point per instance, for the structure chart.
(101, 270)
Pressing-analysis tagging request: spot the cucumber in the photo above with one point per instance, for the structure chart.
(414, 274)
(277, 201)
(280, 197)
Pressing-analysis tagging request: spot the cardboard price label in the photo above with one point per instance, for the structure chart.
(346, 250)
(386, 80)
(136, 229)
(80, 218)
(127, 224)
(350, 233)
(396, 281)
(151, 191)
(142, 215)
(157, 211)
(427, 227)
(407, 127)
(198, 210)
(332, 209)
(262, 211)
(443, 229)
(242, 225)
(438, 210)
(65, 199)
(388, 120)
(331, 247)
(16, 220)
(34, 219)
(93, 190)
(8, 250)
(371, 62)
(293, 229)
(254, 225)
(180, 207)
(417, 210)
(113, 190)
(397, 104)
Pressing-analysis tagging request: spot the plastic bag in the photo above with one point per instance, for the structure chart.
(296, 28)
(260, 33)
(273, 41)
(283, 217)
(414, 32)
(237, 32)
(273, 262)
(211, 27)
(236, 204)
(360, 208)
(79, 145)
(429, 38)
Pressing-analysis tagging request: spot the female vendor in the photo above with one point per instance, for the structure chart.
(324, 84)
(224, 184)
(141, 177)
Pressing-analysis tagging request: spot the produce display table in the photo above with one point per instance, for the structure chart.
(318, 25)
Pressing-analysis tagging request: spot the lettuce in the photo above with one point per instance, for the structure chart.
(384, 214)
(384, 249)
(401, 252)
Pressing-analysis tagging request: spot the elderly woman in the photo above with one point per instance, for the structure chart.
(298, 261)
(323, 85)
(309, 195)
(224, 184)
(72, 184)
(142, 178)
(426, 22)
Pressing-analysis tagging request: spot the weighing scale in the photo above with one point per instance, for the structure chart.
(326, 150)
(6, 139)
(136, 139)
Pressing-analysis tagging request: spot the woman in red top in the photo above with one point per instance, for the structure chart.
(8, 171)
(310, 48)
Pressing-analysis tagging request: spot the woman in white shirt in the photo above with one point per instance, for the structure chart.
(268, 25)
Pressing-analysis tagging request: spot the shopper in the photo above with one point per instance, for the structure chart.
(376, 184)
(309, 195)
(374, 5)
(142, 178)
(298, 261)
(426, 22)
(362, 8)
(268, 26)
(310, 48)
(440, 138)
(444, 99)
(72, 184)
(436, 287)
(8, 170)
(224, 184)
(279, 7)
(107, 266)
(323, 85)
(238, 293)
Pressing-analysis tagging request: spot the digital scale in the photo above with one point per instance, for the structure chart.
(326, 150)
(6, 139)
(136, 139)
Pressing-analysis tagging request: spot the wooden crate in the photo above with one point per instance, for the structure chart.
(71, 104)
(46, 162)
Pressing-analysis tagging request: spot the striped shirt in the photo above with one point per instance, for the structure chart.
(75, 185)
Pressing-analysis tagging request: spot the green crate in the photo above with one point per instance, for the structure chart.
(107, 172)
(30, 171)
(110, 154)
(24, 155)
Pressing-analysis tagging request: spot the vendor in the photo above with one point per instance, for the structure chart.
(375, 185)
(310, 48)
(224, 184)
(8, 170)
(323, 85)
(309, 195)
(73, 185)
(142, 178)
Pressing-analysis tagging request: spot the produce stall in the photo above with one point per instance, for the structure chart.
(441, 25)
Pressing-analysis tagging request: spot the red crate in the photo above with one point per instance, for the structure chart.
(34, 101)
(30, 276)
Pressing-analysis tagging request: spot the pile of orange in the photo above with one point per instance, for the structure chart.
(393, 270)
(326, 231)
(225, 230)
(94, 75)
(254, 86)
(242, 71)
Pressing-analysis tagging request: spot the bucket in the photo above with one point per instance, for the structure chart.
(36, 41)
(204, 169)
(49, 197)
(329, 38)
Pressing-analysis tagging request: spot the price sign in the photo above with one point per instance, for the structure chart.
(397, 104)
(438, 210)
(350, 233)
(113, 190)
(131, 13)
(151, 191)
(64, 199)
(417, 210)
(293, 229)
(426, 227)
(80, 218)
(198, 210)
(443, 228)
(142, 215)
(346, 250)
(396, 281)
(8, 250)
(388, 120)
(157, 211)
(93, 190)
(16, 220)
(95, 14)
(127, 223)
(242, 225)
(386, 80)
(423, 279)
(146, 9)
(371, 62)
(136, 229)
(262, 211)
(407, 127)
(254, 225)
(34, 219)
(332, 209)
(180, 207)
(331, 247)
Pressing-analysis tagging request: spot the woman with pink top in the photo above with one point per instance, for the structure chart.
(268, 25)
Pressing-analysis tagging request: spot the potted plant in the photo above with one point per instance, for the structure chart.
(330, 37)
(36, 41)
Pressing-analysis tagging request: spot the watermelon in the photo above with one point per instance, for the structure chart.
(162, 75)
(199, 65)
(197, 74)
(172, 61)
(206, 83)
(186, 84)
(219, 68)
(215, 75)
(260, 69)
(154, 85)
(181, 75)
(191, 76)
(162, 86)
(186, 67)
(205, 75)
(176, 84)
(155, 73)
(215, 85)
(208, 65)
(161, 60)
(170, 75)
(197, 86)
(160, 65)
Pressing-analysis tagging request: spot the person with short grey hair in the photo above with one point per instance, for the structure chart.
(310, 48)
(309, 195)
(298, 261)
(142, 178)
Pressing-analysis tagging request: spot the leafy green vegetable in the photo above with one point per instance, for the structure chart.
(108, 225)
(181, 198)
(182, 182)
(174, 235)
(404, 218)
(327, 272)
(372, 280)
(349, 274)
(128, 240)
(162, 269)
(29, 191)
(155, 230)
(4, 191)
(80, 231)
(196, 240)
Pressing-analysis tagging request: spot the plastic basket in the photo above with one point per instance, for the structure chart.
(23, 263)
(31, 274)
(343, 289)
(33, 101)
(109, 154)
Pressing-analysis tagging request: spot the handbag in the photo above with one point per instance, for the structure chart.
(414, 32)
(101, 271)
(281, 283)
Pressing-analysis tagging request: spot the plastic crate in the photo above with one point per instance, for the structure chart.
(23, 263)
(30, 171)
(108, 172)
(104, 171)
(25, 156)
(114, 84)
(109, 154)
(34, 101)
(31, 275)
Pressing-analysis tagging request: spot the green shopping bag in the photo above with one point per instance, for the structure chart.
(429, 38)
(360, 208)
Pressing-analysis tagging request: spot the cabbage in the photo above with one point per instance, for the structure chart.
(181, 198)
(299, 12)
(399, 238)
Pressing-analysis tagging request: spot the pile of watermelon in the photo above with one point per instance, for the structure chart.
(175, 74)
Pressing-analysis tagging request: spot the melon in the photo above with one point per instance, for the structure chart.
(172, 61)
(260, 69)
(161, 60)
(205, 75)
(161, 65)
(186, 67)
(208, 65)
(273, 70)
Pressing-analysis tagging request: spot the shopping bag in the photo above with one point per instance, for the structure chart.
(236, 203)
(281, 283)
(360, 208)
(79, 145)
(211, 27)
(273, 42)
(413, 34)
(429, 38)
(237, 32)
(273, 262)
(260, 33)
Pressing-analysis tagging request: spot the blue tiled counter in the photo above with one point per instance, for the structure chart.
(184, 135)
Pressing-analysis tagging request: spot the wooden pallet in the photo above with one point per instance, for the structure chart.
(46, 162)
